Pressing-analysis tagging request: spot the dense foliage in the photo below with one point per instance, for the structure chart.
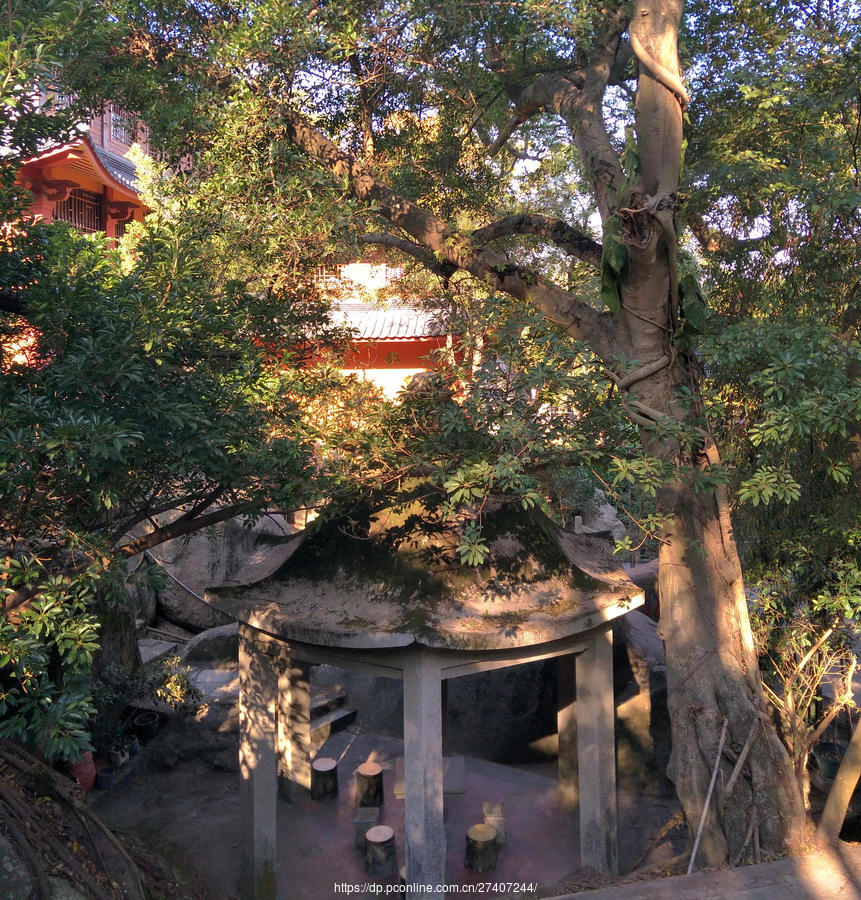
(135, 381)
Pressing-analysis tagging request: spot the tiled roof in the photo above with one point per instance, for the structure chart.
(388, 323)
(121, 168)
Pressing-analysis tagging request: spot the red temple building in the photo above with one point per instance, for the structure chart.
(393, 339)
(90, 183)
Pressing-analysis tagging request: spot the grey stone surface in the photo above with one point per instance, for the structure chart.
(424, 826)
(643, 722)
(401, 581)
(639, 635)
(472, 722)
(60, 889)
(216, 648)
(179, 605)
(15, 878)
(833, 874)
(453, 776)
(152, 649)
(219, 709)
(183, 739)
(603, 518)
(596, 757)
(494, 715)
(258, 792)
(645, 576)
(144, 603)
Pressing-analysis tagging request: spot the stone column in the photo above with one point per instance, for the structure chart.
(596, 751)
(566, 727)
(294, 722)
(423, 788)
(258, 685)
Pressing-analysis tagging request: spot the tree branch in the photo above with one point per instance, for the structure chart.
(619, 71)
(714, 241)
(533, 99)
(579, 320)
(578, 99)
(443, 269)
(576, 96)
(179, 528)
(640, 35)
(573, 242)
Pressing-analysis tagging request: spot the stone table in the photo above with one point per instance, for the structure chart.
(385, 592)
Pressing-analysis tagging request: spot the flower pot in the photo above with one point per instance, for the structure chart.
(146, 725)
(83, 770)
(105, 778)
(118, 757)
(828, 756)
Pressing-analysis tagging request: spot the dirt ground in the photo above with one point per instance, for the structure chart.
(190, 813)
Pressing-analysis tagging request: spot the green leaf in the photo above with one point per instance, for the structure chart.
(692, 302)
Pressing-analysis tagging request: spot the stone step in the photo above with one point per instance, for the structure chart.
(453, 776)
(326, 700)
(332, 721)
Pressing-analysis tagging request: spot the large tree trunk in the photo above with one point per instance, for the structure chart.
(712, 670)
(712, 675)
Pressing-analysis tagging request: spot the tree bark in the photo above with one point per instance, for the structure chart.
(712, 673)
(712, 668)
(841, 792)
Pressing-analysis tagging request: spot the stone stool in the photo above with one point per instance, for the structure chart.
(324, 778)
(369, 784)
(380, 852)
(364, 819)
(481, 848)
(494, 814)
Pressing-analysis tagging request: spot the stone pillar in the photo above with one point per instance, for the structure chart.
(596, 750)
(566, 728)
(425, 830)
(294, 723)
(258, 686)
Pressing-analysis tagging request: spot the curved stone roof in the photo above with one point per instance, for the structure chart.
(394, 578)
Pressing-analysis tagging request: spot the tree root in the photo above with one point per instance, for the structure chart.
(56, 832)
(22, 845)
(53, 850)
(672, 823)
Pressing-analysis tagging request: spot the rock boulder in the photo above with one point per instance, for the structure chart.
(235, 551)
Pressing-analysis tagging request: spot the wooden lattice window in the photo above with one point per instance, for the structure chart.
(124, 126)
(83, 209)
